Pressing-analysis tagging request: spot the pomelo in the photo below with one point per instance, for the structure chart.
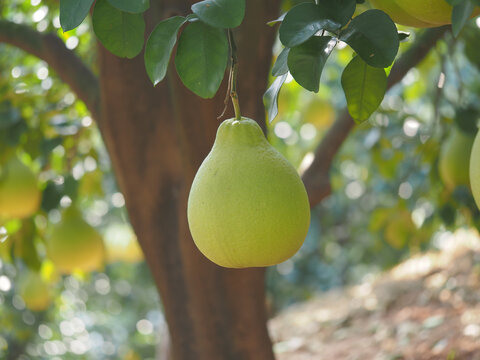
(247, 206)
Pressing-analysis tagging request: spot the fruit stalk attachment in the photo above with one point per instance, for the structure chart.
(232, 79)
(233, 75)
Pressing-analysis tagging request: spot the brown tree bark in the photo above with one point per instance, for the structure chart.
(157, 139)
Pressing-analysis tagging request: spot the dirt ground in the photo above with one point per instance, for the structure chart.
(424, 309)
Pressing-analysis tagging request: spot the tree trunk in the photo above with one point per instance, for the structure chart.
(157, 139)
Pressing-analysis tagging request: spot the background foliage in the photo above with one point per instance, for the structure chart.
(388, 200)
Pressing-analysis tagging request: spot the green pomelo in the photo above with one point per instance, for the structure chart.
(75, 245)
(455, 159)
(398, 15)
(247, 206)
(475, 170)
(437, 12)
(35, 292)
(19, 192)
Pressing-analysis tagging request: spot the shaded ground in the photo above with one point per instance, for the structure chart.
(426, 308)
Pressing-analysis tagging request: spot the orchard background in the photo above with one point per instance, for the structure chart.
(98, 134)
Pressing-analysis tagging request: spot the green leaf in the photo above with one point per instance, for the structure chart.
(131, 6)
(307, 60)
(121, 33)
(270, 98)
(277, 20)
(281, 67)
(305, 20)
(374, 37)
(220, 13)
(364, 88)
(51, 196)
(466, 119)
(202, 56)
(9, 115)
(73, 12)
(25, 245)
(159, 47)
(472, 51)
(460, 15)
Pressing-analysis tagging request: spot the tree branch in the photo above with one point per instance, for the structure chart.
(316, 177)
(51, 49)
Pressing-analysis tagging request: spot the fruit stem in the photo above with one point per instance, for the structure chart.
(233, 75)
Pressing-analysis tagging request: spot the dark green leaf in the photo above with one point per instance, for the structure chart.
(277, 20)
(51, 196)
(73, 12)
(11, 136)
(281, 67)
(202, 56)
(307, 60)
(70, 187)
(121, 33)
(192, 18)
(159, 47)
(374, 37)
(460, 15)
(364, 88)
(9, 115)
(48, 144)
(131, 6)
(270, 99)
(220, 13)
(448, 214)
(25, 245)
(305, 20)
(466, 119)
(472, 50)
(402, 36)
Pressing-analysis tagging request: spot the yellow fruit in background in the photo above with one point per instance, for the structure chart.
(454, 159)
(475, 169)
(19, 193)
(398, 15)
(399, 230)
(247, 206)
(75, 245)
(121, 244)
(34, 291)
(437, 12)
(319, 113)
(418, 13)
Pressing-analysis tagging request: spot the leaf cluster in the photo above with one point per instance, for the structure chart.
(310, 32)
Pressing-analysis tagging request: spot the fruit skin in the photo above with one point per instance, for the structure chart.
(421, 14)
(437, 12)
(247, 206)
(475, 169)
(399, 15)
(75, 245)
(35, 292)
(455, 159)
(19, 193)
